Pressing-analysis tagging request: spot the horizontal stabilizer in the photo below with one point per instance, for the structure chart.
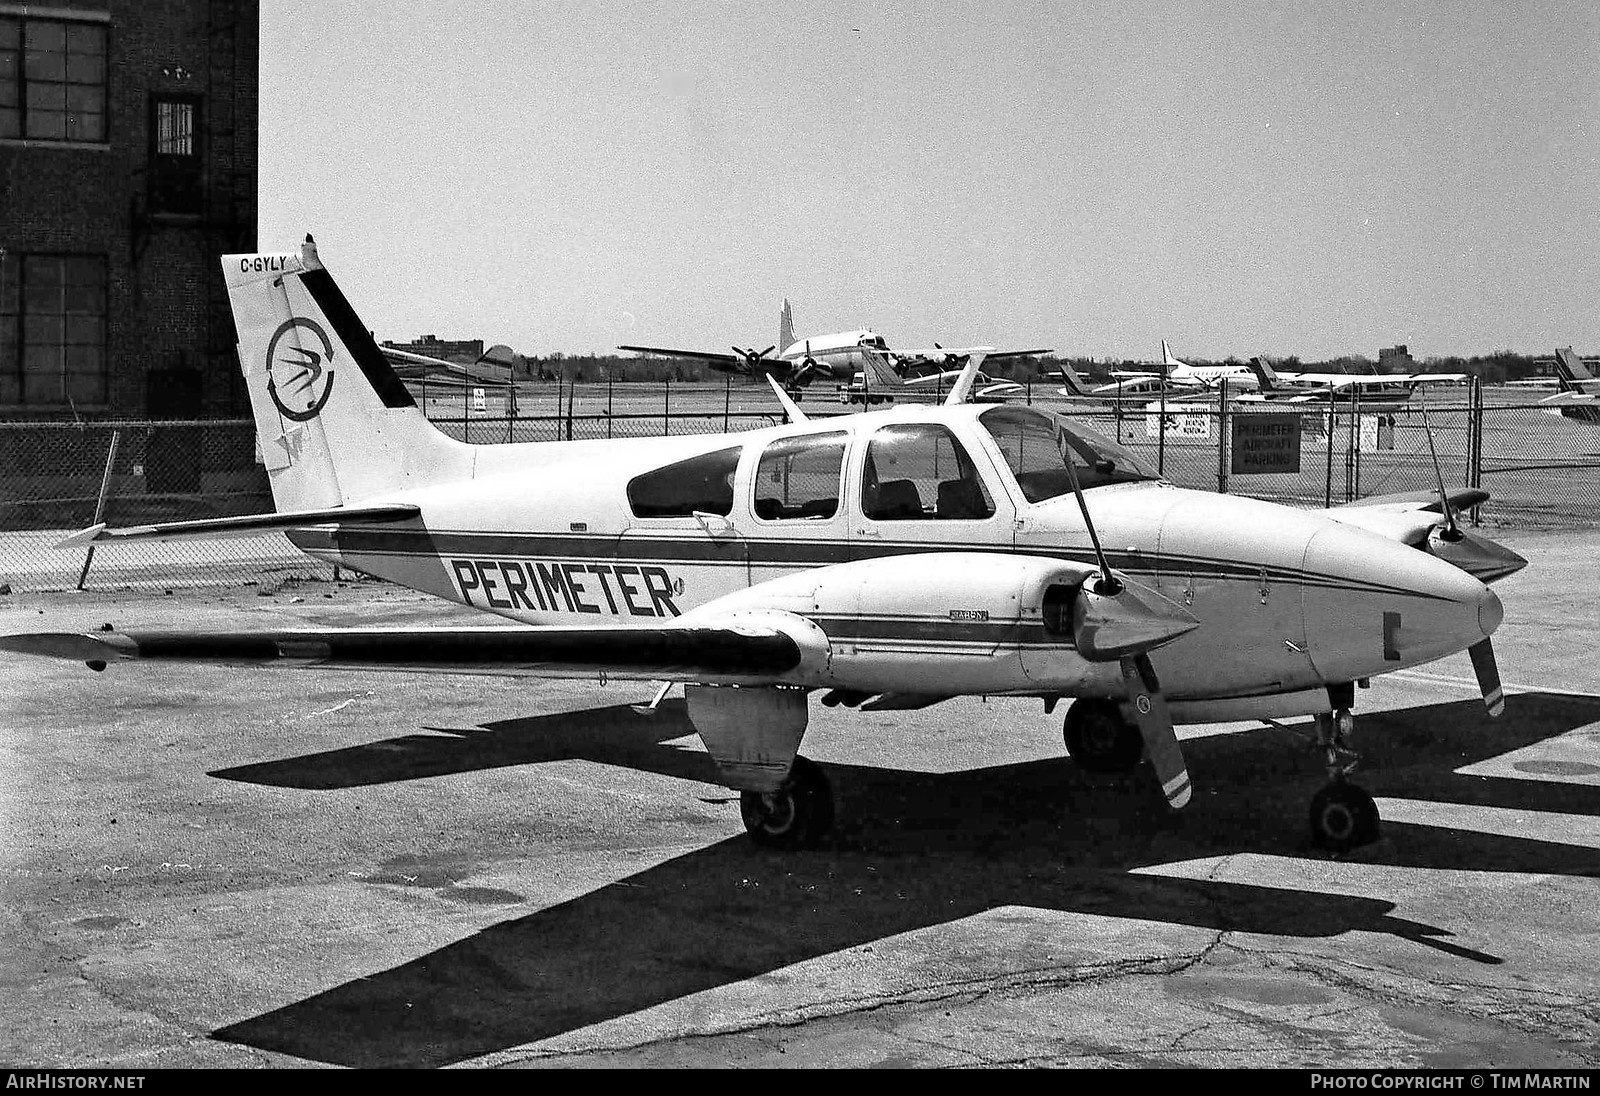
(621, 652)
(242, 526)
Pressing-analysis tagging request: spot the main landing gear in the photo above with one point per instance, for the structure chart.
(1343, 816)
(797, 815)
(1099, 739)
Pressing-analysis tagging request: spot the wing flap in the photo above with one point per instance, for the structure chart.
(242, 526)
(690, 651)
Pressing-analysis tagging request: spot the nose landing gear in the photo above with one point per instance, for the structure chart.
(1343, 816)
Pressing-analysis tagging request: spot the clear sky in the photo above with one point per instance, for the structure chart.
(1239, 178)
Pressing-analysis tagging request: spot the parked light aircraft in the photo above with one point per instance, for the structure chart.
(840, 355)
(890, 560)
(492, 368)
(1141, 388)
(1367, 387)
(1178, 378)
(1579, 398)
(881, 380)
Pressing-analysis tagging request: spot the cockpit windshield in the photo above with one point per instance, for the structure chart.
(1037, 445)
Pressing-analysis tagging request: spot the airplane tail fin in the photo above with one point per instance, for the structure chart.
(1071, 383)
(335, 424)
(877, 372)
(1574, 375)
(785, 327)
(1264, 373)
(1166, 357)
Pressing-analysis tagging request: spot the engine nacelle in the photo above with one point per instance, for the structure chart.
(948, 623)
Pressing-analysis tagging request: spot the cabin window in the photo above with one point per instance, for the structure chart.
(703, 484)
(1037, 446)
(920, 471)
(800, 477)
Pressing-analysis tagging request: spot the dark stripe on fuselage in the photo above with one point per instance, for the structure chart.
(379, 373)
(785, 553)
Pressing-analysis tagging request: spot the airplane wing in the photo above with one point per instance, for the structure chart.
(244, 525)
(1417, 518)
(731, 654)
(1461, 499)
(731, 362)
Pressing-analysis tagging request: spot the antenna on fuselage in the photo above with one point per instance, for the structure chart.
(790, 409)
(1108, 584)
(963, 385)
(1449, 532)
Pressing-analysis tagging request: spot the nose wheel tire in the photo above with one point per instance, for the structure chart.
(1343, 817)
(1099, 739)
(796, 816)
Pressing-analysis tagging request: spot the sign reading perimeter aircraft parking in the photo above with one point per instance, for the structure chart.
(1265, 443)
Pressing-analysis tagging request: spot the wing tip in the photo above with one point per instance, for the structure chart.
(83, 537)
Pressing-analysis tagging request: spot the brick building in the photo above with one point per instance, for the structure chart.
(127, 165)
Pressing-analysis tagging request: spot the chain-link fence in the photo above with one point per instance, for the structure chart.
(1540, 469)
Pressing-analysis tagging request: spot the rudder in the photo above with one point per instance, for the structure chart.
(336, 425)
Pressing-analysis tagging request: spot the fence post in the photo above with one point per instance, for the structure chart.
(1352, 462)
(1222, 433)
(666, 408)
(1327, 487)
(727, 398)
(100, 503)
(1161, 436)
(608, 402)
(1475, 441)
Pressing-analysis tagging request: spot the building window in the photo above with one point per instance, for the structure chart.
(52, 79)
(53, 330)
(175, 167)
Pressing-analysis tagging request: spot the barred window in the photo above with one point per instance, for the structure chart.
(176, 170)
(52, 79)
(53, 330)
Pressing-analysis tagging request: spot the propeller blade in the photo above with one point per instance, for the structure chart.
(1155, 726)
(1483, 664)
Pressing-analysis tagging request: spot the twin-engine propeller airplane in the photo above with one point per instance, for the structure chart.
(841, 355)
(890, 560)
(1281, 387)
(1579, 398)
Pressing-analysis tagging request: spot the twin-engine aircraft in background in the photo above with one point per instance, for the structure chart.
(1288, 387)
(887, 560)
(841, 356)
(1579, 398)
(1179, 380)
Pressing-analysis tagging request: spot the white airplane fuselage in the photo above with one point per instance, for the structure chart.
(1288, 600)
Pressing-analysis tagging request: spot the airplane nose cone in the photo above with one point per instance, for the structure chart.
(1490, 611)
(1374, 605)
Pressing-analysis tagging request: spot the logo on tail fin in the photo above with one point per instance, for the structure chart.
(306, 381)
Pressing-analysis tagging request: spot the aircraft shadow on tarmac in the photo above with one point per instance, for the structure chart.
(914, 850)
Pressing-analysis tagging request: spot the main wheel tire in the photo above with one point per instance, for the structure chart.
(795, 816)
(1343, 817)
(1099, 739)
